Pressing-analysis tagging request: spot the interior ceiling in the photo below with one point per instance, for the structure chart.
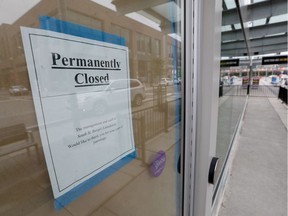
(265, 23)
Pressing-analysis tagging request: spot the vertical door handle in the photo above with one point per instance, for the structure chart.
(212, 170)
(179, 164)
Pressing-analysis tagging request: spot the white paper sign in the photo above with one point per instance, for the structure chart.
(81, 95)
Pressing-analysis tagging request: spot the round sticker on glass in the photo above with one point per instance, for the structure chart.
(158, 163)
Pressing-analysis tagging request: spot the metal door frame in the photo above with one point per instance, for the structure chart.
(202, 46)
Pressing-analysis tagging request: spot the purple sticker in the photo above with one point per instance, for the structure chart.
(158, 163)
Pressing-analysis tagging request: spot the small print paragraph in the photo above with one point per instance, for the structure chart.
(95, 133)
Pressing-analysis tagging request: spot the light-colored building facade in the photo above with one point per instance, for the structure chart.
(150, 49)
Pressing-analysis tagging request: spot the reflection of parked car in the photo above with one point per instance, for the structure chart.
(137, 89)
(112, 97)
(166, 81)
(18, 90)
(137, 92)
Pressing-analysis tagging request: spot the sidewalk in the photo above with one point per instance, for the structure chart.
(257, 185)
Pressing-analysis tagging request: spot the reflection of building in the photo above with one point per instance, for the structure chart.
(11, 57)
(150, 51)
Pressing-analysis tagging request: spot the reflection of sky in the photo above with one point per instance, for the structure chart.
(105, 3)
(136, 16)
(11, 10)
(10, 13)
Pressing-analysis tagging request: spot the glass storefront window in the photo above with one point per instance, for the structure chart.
(46, 123)
(233, 81)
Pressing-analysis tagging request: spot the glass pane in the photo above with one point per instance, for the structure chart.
(233, 80)
(90, 112)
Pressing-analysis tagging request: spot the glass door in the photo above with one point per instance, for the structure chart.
(202, 62)
(90, 113)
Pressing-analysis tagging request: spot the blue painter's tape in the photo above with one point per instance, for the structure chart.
(52, 24)
(82, 188)
(177, 89)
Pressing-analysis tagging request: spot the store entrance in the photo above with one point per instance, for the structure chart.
(97, 89)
